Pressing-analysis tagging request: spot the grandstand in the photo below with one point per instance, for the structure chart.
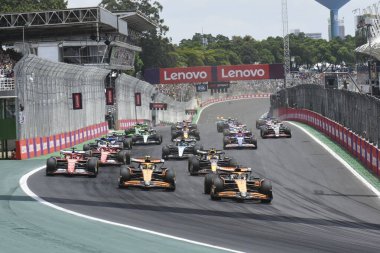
(93, 37)
(83, 36)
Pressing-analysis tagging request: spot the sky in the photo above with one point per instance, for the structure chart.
(257, 18)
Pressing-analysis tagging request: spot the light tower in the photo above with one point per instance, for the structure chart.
(333, 6)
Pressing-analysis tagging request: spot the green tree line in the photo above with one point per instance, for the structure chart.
(209, 50)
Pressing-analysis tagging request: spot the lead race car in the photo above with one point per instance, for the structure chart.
(206, 161)
(238, 183)
(239, 140)
(72, 162)
(147, 173)
(275, 129)
(182, 148)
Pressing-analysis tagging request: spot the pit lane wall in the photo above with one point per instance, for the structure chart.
(359, 147)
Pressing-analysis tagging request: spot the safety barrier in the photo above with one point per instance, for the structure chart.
(127, 123)
(35, 147)
(360, 148)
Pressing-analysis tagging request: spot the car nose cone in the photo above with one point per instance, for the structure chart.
(147, 183)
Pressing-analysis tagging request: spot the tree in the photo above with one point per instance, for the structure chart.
(31, 5)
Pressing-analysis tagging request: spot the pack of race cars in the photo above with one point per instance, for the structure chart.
(224, 177)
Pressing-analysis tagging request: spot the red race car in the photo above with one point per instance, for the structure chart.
(72, 162)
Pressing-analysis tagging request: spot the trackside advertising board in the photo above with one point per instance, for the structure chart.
(243, 72)
(185, 75)
(206, 74)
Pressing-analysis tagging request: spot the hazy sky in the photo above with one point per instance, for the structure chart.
(256, 18)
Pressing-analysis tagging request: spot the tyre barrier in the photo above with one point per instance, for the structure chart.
(39, 146)
(367, 153)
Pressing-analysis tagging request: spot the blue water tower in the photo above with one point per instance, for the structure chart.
(333, 6)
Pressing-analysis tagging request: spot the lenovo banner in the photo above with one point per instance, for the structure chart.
(158, 106)
(185, 75)
(109, 96)
(137, 99)
(77, 101)
(243, 72)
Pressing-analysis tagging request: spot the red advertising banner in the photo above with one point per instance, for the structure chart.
(137, 99)
(186, 75)
(243, 72)
(158, 106)
(109, 96)
(77, 101)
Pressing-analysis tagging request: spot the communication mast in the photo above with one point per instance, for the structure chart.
(286, 41)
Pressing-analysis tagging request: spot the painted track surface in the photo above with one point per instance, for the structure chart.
(318, 205)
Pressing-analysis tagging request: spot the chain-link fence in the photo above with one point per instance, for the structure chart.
(44, 97)
(359, 112)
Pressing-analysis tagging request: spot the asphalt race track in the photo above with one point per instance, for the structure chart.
(318, 206)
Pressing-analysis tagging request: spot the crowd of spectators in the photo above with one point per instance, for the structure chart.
(8, 60)
(181, 92)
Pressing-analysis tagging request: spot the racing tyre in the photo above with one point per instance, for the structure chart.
(92, 166)
(219, 127)
(208, 183)
(254, 142)
(217, 186)
(159, 137)
(173, 127)
(226, 132)
(225, 142)
(195, 126)
(165, 153)
(262, 133)
(170, 178)
(193, 166)
(134, 140)
(125, 175)
(127, 144)
(51, 166)
(266, 188)
(197, 135)
(124, 157)
(86, 147)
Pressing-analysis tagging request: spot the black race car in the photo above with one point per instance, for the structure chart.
(182, 148)
(207, 161)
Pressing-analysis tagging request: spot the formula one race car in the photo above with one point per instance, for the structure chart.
(275, 129)
(239, 140)
(136, 129)
(181, 124)
(114, 139)
(207, 161)
(238, 183)
(72, 162)
(182, 148)
(147, 136)
(232, 130)
(186, 133)
(264, 119)
(147, 173)
(223, 123)
(108, 154)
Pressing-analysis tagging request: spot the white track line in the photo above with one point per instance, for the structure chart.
(24, 186)
(340, 159)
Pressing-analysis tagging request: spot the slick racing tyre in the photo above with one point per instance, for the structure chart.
(92, 166)
(124, 157)
(51, 166)
(125, 175)
(208, 182)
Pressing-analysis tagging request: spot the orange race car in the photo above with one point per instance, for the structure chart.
(237, 183)
(147, 173)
